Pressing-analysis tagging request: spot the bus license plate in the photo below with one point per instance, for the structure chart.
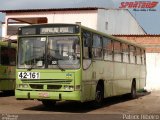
(43, 94)
(28, 75)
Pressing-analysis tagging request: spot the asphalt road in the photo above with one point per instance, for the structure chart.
(145, 107)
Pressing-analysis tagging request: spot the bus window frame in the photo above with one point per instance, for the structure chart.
(118, 51)
(143, 57)
(107, 49)
(95, 47)
(134, 54)
(127, 52)
(138, 56)
(89, 47)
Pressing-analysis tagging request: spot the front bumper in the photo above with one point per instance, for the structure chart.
(50, 95)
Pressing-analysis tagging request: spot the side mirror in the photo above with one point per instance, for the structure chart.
(90, 52)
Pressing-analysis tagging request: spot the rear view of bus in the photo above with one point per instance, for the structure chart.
(48, 67)
(7, 66)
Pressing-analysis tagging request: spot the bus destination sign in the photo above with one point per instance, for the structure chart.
(54, 30)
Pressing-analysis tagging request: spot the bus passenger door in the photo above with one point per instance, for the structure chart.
(87, 93)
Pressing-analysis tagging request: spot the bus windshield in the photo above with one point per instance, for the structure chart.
(49, 52)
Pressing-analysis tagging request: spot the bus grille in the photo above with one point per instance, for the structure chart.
(49, 87)
(54, 86)
(33, 86)
(47, 81)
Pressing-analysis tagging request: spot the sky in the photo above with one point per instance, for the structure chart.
(148, 20)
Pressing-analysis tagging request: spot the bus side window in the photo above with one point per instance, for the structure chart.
(108, 49)
(12, 56)
(125, 51)
(138, 50)
(87, 53)
(86, 36)
(97, 47)
(117, 51)
(143, 56)
(4, 56)
(132, 54)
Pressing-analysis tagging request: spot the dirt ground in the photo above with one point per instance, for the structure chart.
(146, 103)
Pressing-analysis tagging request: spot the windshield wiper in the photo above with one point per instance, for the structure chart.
(56, 59)
(35, 60)
(62, 69)
(31, 67)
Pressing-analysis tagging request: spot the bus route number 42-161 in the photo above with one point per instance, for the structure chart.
(28, 75)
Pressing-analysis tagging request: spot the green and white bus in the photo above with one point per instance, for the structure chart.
(58, 62)
(7, 66)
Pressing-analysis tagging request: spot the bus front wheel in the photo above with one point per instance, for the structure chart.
(99, 97)
(48, 103)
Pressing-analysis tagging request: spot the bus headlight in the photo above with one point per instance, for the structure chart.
(22, 86)
(67, 87)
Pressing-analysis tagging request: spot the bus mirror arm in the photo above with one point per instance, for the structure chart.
(90, 52)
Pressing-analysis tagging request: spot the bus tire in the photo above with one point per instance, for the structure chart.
(8, 92)
(48, 103)
(133, 94)
(99, 96)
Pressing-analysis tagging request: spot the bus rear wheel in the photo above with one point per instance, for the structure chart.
(133, 90)
(99, 97)
(48, 103)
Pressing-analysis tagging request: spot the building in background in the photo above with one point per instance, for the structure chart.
(99, 15)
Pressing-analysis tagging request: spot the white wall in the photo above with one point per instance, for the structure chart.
(119, 22)
(153, 71)
(87, 18)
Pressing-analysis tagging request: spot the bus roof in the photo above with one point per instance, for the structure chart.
(112, 37)
(90, 29)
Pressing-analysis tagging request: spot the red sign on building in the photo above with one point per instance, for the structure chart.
(138, 5)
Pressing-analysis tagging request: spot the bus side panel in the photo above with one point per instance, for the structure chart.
(99, 70)
(103, 70)
(87, 84)
(7, 78)
(7, 85)
(133, 72)
(142, 77)
(107, 76)
(117, 78)
(120, 75)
